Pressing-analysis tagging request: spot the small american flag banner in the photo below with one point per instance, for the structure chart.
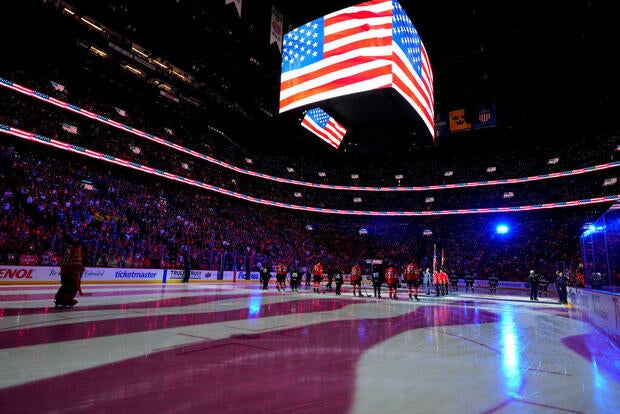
(485, 117)
(237, 4)
(491, 169)
(321, 124)
(72, 129)
(430, 199)
(275, 35)
(448, 173)
(508, 194)
(610, 181)
(58, 86)
(553, 160)
(120, 111)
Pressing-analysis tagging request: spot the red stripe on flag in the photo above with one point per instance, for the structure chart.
(340, 83)
(336, 17)
(398, 82)
(427, 73)
(355, 61)
(359, 44)
(420, 96)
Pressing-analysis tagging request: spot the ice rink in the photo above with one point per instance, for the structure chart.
(233, 348)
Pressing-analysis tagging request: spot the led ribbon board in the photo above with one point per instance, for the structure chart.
(135, 131)
(40, 139)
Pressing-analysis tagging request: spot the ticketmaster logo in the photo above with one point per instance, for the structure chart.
(134, 275)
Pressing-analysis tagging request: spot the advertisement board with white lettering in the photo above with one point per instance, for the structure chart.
(29, 274)
(194, 275)
(103, 274)
(50, 274)
(600, 308)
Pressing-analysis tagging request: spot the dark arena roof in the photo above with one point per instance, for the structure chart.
(545, 67)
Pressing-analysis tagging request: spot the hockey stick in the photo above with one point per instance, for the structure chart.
(364, 286)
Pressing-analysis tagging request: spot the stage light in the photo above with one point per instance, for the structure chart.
(502, 229)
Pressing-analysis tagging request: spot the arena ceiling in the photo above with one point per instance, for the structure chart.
(545, 66)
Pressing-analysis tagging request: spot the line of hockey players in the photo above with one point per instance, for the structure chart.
(437, 281)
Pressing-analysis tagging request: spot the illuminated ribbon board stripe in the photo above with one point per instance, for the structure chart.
(29, 136)
(161, 141)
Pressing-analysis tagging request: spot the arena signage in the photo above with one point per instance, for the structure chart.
(50, 274)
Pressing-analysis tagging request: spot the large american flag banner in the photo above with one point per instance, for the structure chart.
(324, 126)
(369, 46)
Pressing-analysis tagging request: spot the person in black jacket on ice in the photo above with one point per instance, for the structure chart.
(187, 267)
(295, 277)
(330, 277)
(377, 280)
(533, 278)
(339, 279)
(264, 275)
(560, 286)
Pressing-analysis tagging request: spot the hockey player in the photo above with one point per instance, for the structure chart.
(356, 279)
(543, 286)
(445, 278)
(317, 277)
(330, 277)
(280, 276)
(469, 281)
(454, 282)
(413, 279)
(437, 282)
(493, 282)
(391, 278)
